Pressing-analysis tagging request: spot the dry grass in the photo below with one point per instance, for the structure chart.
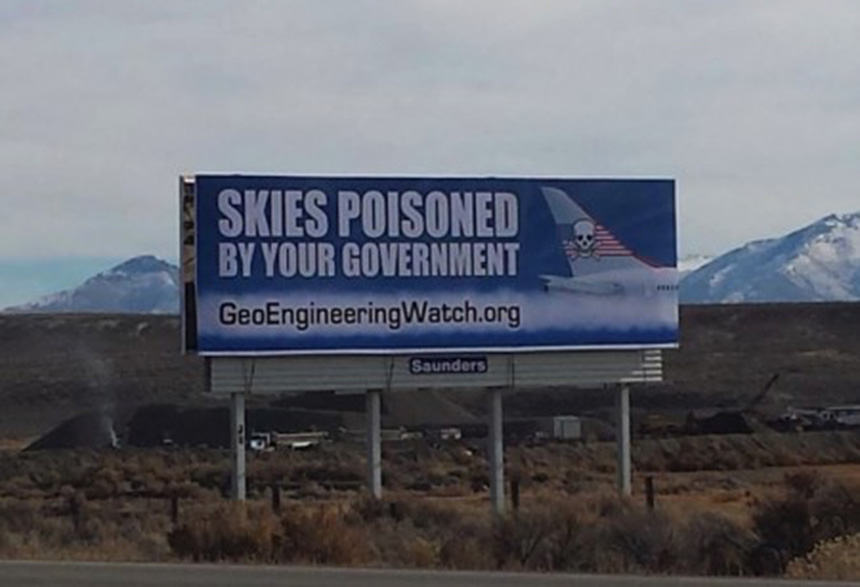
(808, 510)
(837, 559)
(117, 506)
(72, 528)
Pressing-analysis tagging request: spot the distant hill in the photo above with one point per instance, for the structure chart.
(141, 285)
(820, 262)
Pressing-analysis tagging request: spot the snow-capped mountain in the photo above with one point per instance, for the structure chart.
(141, 285)
(690, 263)
(820, 262)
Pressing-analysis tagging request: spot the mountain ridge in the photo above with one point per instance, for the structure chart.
(818, 262)
(140, 285)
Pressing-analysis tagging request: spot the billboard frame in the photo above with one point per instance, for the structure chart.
(213, 338)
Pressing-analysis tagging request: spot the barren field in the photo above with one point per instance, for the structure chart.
(54, 366)
(162, 505)
(763, 502)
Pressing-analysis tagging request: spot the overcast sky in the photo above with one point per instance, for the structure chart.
(752, 105)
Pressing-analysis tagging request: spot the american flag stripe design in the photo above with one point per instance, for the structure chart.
(606, 245)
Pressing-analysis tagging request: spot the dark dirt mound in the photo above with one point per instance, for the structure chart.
(88, 430)
(413, 409)
(423, 408)
(52, 366)
(155, 425)
(160, 425)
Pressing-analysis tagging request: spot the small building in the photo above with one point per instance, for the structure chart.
(560, 427)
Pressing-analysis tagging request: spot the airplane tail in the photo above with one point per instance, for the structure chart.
(564, 209)
(588, 245)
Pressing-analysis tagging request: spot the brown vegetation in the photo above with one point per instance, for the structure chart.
(117, 506)
(837, 559)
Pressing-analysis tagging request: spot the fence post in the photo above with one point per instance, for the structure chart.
(174, 509)
(276, 497)
(649, 492)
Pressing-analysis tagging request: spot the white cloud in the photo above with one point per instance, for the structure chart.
(751, 104)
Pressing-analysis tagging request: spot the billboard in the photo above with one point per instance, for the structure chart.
(353, 265)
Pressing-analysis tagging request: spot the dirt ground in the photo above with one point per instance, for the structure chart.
(54, 366)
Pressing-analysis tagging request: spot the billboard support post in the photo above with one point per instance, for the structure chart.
(237, 442)
(496, 453)
(374, 443)
(622, 435)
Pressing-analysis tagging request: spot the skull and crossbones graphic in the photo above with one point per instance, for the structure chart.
(584, 241)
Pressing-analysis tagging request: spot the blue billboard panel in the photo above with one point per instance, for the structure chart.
(303, 265)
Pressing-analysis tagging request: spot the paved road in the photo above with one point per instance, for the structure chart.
(66, 574)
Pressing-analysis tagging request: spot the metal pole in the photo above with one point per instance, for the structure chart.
(622, 436)
(374, 443)
(496, 454)
(237, 444)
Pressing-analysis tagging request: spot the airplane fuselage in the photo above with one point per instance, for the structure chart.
(633, 282)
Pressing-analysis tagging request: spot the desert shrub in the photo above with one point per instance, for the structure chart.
(810, 512)
(465, 545)
(229, 531)
(784, 528)
(104, 484)
(608, 505)
(71, 527)
(45, 480)
(479, 480)
(427, 515)
(368, 510)
(329, 472)
(519, 539)
(211, 476)
(591, 534)
(635, 540)
(251, 532)
(18, 515)
(400, 544)
(425, 533)
(714, 545)
(540, 477)
(837, 559)
(837, 510)
(566, 547)
(423, 514)
(320, 535)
